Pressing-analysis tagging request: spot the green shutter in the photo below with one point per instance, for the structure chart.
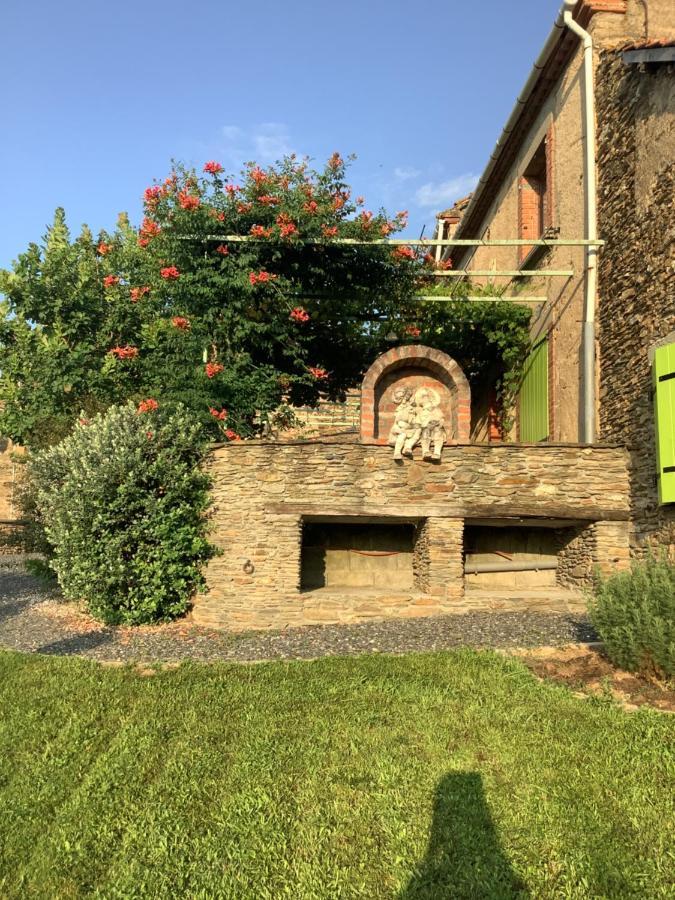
(534, 396)
(664, 410)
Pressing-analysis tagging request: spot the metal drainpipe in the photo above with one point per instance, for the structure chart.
(591, 212)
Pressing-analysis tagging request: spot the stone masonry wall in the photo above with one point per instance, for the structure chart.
(636, 309)
(264, 490)
(8, 477)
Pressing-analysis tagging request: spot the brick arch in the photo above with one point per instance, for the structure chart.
(418, 360)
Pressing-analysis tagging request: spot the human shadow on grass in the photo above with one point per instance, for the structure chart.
(464, 858)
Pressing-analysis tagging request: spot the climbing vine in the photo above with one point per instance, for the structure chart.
(236, 331)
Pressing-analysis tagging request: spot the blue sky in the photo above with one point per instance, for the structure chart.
(98, 97)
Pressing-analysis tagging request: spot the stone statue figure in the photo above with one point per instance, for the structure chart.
(404, 432)
(429, 418)
(418, 418)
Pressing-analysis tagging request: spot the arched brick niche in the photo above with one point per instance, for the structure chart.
(413, 366)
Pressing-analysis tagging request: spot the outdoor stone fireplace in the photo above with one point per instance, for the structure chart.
(335, 529)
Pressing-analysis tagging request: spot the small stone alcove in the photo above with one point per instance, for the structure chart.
(414, 367)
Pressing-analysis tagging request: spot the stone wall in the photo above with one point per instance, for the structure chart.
(8, 477)
(263, 491)
(636, 169)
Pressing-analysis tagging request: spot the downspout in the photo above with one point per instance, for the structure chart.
(591, 215)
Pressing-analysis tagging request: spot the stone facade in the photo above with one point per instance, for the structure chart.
(635, 309)
(636, 167)
(8, 481)
(265, 491)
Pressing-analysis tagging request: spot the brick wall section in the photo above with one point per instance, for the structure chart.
(636, 169)
(414, 360)
(262, 491)
(529, 213)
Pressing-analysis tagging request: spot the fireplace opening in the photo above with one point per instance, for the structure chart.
(374, 556)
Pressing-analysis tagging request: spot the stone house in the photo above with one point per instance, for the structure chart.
(590, 150)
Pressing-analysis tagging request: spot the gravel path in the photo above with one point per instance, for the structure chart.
(33, 620)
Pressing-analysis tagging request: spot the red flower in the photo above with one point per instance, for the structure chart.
(386, 228)
(152, 195)
(84, 422)
(286, 225)
(412, 330)
(298, 314)
(148, 405)
(149, 228)
(310, 207)
(188, 201)
(338, 202)
(222, 249)
(429, 259)
(169, 273)
(259, 232)
(261, 277)
(111, 280)
(232, 189)
(402, 217)
(329, 231)
(244, 207)
(213, 168)
(258, 175)
(404, 253)
(103, 248)
(220, 414)
(319, 373)
(232, 435)
(366, 219)
(335, 161)
(149, 435)
(181, 323)
(137, 293)
(445, 264)
(360, 201)
(143, 242)
(213, 369)
(124, 352)
(268, 200)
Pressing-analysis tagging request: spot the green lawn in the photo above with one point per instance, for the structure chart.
(427, 775)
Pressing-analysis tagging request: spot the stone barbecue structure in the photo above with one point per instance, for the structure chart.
(335, 529)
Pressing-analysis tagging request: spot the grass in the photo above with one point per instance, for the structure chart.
(428, 775)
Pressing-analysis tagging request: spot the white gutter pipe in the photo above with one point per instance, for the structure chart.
(590, 197)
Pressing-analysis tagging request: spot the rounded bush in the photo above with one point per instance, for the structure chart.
(122, 501)
(634, 614)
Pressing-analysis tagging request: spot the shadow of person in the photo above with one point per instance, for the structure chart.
(464, 858)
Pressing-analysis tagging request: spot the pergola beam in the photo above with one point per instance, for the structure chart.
(403, 242)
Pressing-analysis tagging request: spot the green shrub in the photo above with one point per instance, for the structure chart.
(122, 501)
(634, 614)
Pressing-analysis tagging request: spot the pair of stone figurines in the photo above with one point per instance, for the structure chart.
(418, 419)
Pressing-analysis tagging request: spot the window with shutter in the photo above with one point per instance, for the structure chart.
(533, 398)
(664, 413)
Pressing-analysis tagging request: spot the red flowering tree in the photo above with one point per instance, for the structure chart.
(177, 310)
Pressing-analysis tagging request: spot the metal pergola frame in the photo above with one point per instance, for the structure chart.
(438, 242)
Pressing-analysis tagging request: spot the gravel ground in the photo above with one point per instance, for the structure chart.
(33, 620)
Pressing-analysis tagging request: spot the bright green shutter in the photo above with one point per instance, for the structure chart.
(664, 408)
(534, 396)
